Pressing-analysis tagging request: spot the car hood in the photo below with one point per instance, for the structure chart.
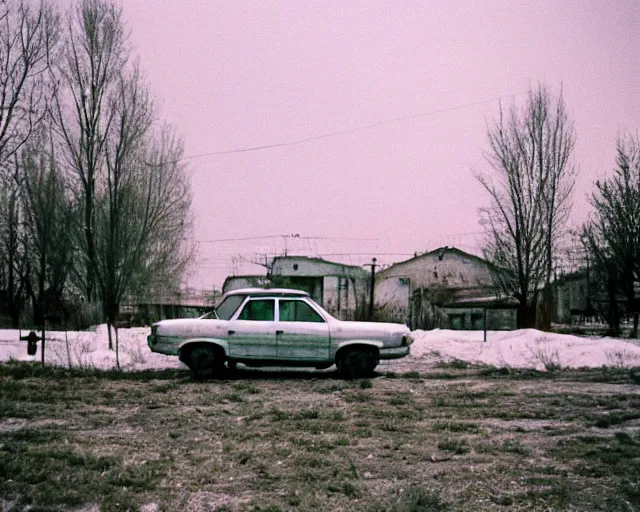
(187, 326)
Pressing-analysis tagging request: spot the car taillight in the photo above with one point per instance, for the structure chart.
(407, 340)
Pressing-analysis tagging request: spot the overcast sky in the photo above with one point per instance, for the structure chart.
(235, 75)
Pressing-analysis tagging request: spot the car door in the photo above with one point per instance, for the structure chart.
(252, 332)
(302, 333)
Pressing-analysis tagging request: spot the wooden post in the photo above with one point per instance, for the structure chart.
(372, 287)
(43, 340)
(485, 324)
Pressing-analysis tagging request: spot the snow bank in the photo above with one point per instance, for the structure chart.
(88, 349)
(526, 348)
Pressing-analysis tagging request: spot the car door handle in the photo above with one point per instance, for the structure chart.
(232, 332)
(279, 332)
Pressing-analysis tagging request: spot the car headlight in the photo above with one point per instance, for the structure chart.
(407, 340)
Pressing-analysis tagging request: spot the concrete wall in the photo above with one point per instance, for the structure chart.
(570, 294)
(237, 282)
(303, 266)
(392, 299)
(340, 297)
(447, 268)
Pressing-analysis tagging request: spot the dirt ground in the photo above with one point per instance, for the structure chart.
(452, 437)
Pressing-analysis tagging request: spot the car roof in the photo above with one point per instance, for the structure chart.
(268, 291)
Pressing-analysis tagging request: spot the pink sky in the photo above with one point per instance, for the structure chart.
(232, 75)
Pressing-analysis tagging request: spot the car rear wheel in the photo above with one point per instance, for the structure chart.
(357, 363)
(203, 361)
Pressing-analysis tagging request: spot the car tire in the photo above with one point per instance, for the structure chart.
(357, 363)
(203, 361)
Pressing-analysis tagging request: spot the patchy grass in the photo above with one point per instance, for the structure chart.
(457, 364)
(467, 438)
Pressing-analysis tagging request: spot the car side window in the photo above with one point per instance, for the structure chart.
(298, 311)
(258, 310)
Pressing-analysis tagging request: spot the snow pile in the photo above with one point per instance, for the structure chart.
(89, 349)
(524, 348)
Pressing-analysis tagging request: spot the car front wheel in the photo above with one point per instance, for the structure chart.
(203, 361)
(357, 363)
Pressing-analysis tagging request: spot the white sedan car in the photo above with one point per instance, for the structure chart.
(277, 327)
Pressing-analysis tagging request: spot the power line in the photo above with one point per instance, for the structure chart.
(367, 254)
(236, 239)
(349, 130)
(358, 239)
(244, 239)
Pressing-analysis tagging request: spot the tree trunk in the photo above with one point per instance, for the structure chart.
(109, 331)
(523, 314)
(15, 300)
(526, 317)
(41, 298)
(88, 219)
(117, 349)
(546, 309)
(634, 333)
(614, 313)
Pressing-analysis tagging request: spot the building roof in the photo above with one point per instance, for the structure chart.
(316, 260)
(487, 302)
(445, 249)
(322, 267)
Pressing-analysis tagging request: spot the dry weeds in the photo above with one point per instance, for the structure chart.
(449, 439)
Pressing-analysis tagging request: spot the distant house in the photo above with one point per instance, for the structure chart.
(237, 282)
(341, 289)
(446, 287)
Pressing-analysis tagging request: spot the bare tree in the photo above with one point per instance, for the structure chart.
(129, 184)
(530, 188)
(613, 234)
(165, 252)
(119, 197)
(131, 192)
(95, 55)
(14, 269)
(28, 35)
(144, 211)
(47, 216)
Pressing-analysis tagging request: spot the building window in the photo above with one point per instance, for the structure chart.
(456, 321)
(477, 321)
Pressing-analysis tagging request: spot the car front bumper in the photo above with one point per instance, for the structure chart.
(163, 344)
(394, 352)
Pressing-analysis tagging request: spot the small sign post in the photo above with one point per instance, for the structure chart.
(485, 324)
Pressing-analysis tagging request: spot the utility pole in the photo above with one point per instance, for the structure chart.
(372, 287)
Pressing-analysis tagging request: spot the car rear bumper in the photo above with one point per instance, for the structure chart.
(394, 352)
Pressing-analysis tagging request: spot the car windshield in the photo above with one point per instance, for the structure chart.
(226, 309)
(318, 306)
